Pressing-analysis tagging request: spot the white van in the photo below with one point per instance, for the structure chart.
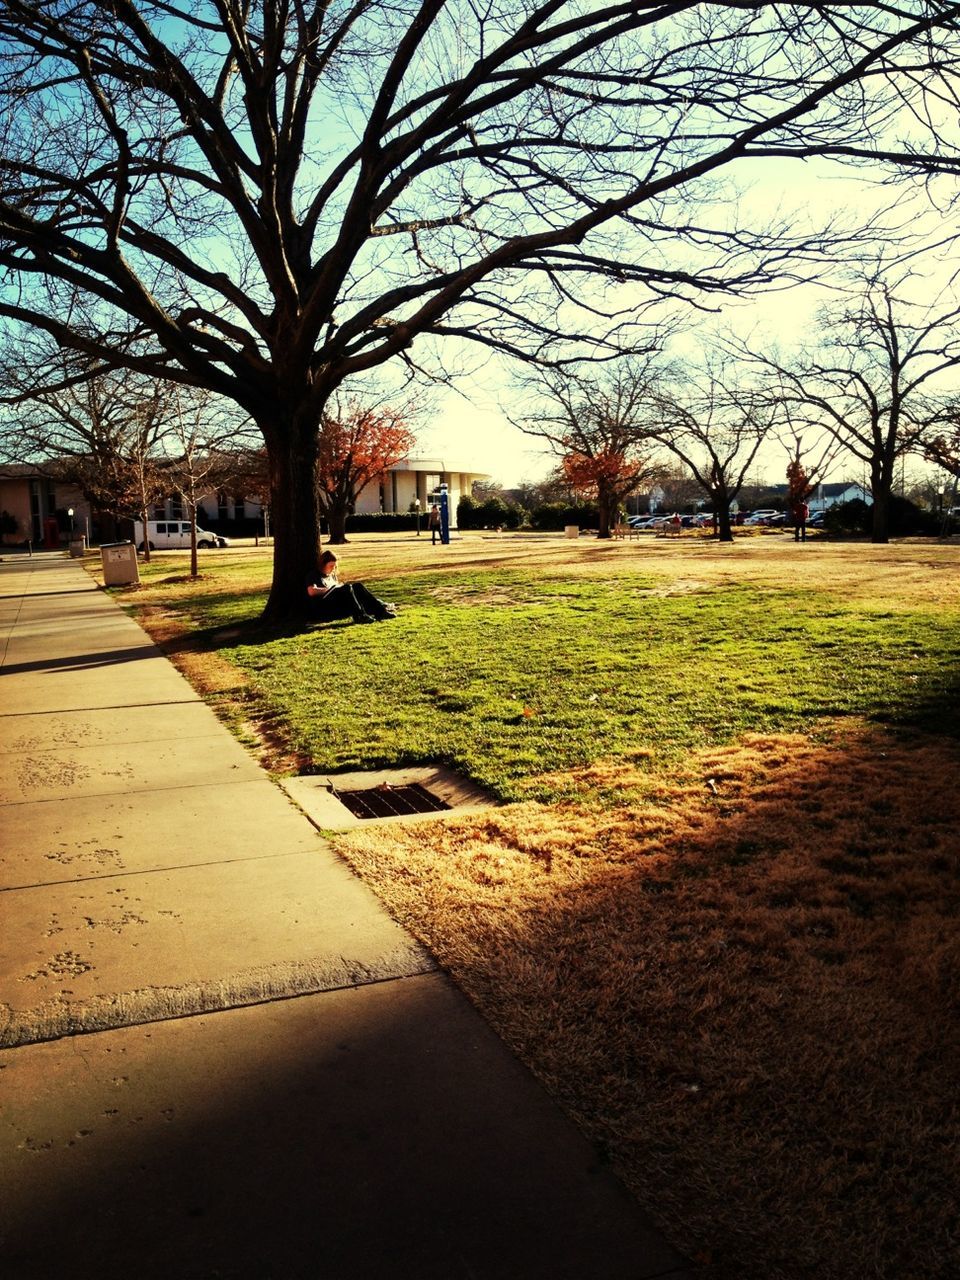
(165, 535)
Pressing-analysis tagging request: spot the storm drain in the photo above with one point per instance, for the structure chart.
(388, 801)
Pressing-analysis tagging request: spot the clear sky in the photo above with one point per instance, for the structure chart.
(472, 425)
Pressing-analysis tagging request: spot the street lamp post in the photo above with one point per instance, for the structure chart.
(70, 514)
(416, 503)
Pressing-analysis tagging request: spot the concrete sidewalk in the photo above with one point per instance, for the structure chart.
(220, 1057)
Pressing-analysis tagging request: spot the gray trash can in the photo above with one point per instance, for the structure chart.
(119, 560)
(77, 547)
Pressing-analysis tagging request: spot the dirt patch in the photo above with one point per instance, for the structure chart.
(682, 587)
(493, 596)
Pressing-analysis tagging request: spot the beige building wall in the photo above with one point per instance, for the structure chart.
(416, 478)
(32, 519)
(15, 500)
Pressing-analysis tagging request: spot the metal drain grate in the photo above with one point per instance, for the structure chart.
(391, 802)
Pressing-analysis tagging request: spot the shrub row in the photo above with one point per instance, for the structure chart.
(383, 522)
(552, 516)
(492, 513)
(906, 519)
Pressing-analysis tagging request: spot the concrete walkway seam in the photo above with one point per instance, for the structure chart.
(55, 1019)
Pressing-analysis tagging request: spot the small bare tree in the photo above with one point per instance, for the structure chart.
(872, 385)
(203, 440)
(102, 429)
(601, 428)
(715, 429)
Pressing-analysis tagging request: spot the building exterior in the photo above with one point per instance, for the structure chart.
(825, 496)
(419, 479)
(36, 507)
(398, 490)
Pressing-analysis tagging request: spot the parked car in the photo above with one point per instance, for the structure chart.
(645, 524)
(760, 517)
(166, 535)
(816, 520)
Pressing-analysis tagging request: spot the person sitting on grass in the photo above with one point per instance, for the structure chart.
(330, 599)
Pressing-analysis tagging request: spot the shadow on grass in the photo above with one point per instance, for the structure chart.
(744, 991)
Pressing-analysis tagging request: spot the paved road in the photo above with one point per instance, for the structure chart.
(219, 1057)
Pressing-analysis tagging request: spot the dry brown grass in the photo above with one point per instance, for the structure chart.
(743, 985)
(909, 571)
(741, 980)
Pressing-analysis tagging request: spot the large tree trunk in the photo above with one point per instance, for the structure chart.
(337, 517)
(880, 516)
(881, 487)
(724, 528)
(294, 513)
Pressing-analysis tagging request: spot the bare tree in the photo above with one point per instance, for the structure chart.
(680, 490)
(202, 442)
(872, 385)
(100, 430)
(811, 454)
(280, 196)
(715, 428)
(601, 429)
(943, 448)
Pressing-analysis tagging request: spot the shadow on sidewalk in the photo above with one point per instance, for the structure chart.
(363, 1134)
(86, 661)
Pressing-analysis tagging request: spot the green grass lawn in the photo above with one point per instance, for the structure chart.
(516, 676)
(728, 947)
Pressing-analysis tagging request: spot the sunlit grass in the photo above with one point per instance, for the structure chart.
(512, 674)
(721, 927)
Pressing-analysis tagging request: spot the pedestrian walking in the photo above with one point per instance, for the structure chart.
(433, 521)
(801, 514)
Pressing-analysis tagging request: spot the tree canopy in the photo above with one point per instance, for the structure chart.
(601, 428)
(874, 383)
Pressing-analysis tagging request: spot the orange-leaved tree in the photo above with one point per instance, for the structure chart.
(601, 427)
(799, 485)
(609, 475)
(357, 445)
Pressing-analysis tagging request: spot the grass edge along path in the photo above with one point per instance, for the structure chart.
(732, 961)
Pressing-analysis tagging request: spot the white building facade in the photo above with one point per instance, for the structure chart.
(419, 480)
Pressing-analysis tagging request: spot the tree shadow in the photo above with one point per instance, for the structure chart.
(741, 985)
(352, 1135)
